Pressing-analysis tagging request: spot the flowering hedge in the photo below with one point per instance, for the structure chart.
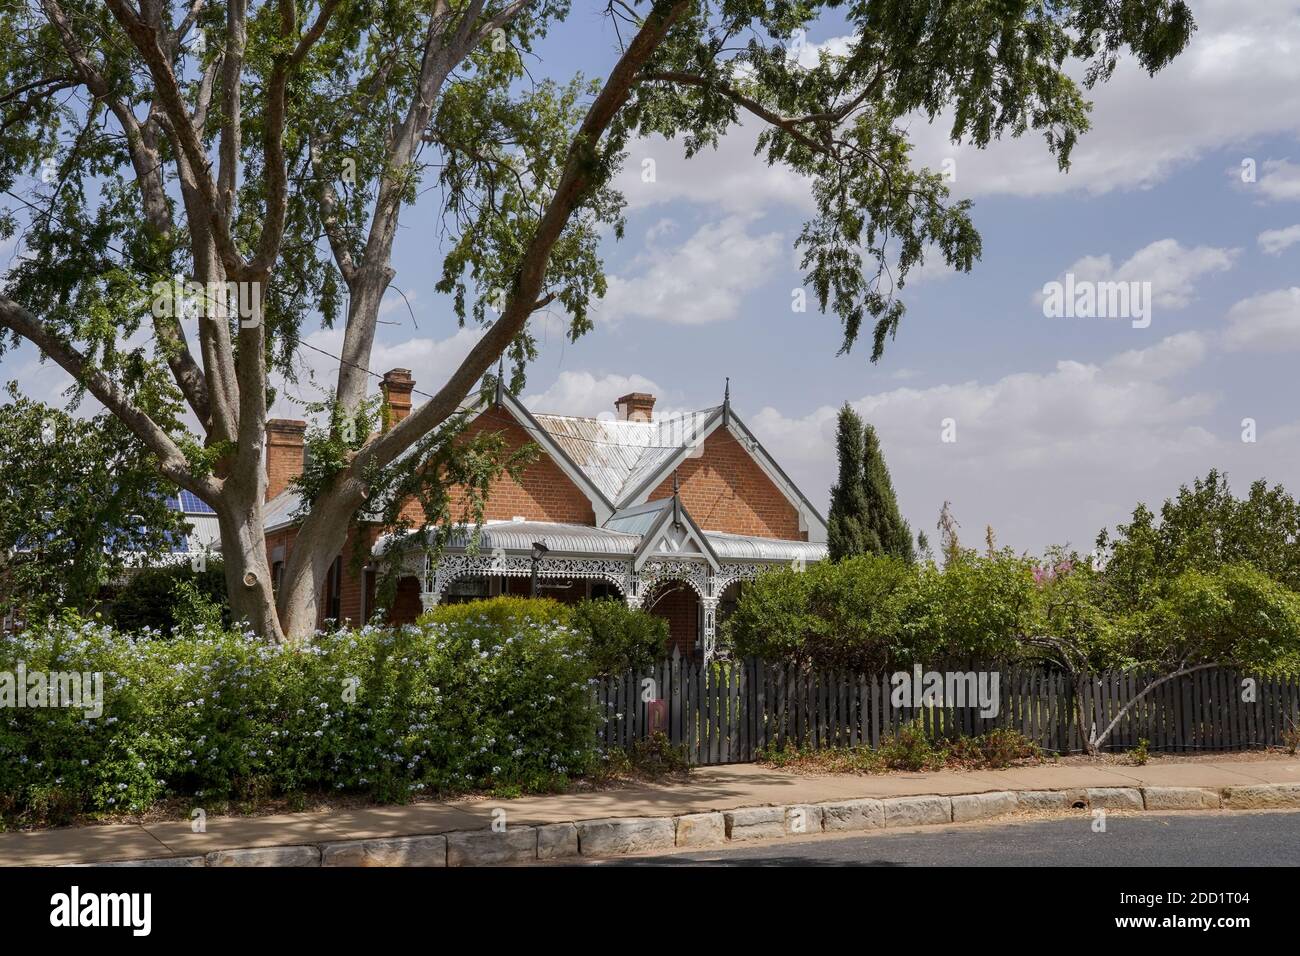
(486, 700)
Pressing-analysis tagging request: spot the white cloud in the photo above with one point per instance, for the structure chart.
(1169, 357)
(701, 279)
(1237, 82)
(584, 393)
(1275, 241)
(1171, 268)
(1280, 179)
(1046, 457)
(730, 177)
(1263, 322)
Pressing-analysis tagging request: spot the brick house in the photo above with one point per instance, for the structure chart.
(672, 515)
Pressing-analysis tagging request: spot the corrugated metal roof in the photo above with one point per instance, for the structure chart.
(737, 547)
(205, 532)
(279, 510)
(618, 455)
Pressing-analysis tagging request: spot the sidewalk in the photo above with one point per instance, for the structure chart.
(709, 789)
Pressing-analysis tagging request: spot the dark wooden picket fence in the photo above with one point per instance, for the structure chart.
(727, 711)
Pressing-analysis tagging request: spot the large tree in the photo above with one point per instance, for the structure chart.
(273, 160)
(1203, 528)
(848, 525)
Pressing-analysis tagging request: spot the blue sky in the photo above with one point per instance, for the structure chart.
(1062, 424)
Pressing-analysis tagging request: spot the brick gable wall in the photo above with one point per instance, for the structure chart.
(544, 493)
(724, 489)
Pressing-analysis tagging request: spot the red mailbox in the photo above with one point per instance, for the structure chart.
(656, 716)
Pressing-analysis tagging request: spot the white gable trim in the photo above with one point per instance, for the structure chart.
(692, 534)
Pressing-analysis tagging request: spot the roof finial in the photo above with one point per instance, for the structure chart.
(726, 403)
(501, 375)
(677, 500)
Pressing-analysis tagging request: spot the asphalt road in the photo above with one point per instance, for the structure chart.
(1151, 839)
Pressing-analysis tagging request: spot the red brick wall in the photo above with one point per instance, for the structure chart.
(724, 489)
(680, 606)
(545, 492)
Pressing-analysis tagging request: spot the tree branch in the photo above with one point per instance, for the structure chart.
(148, 170)
(576, 178)
(171, 460)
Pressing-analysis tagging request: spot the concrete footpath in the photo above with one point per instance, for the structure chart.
(716, 806)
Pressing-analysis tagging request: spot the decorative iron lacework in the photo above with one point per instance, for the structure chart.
(452, 566)
(436, 576)
(695, 573)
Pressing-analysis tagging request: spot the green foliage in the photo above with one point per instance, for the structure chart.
(1140, 754)
(619, 638)
(871, 613)
(171, 598)
(978, 606)
(656, 756)
(848, 524)
(80, 503)
(864, 516)
(500, 613)
(1203, 528)
(884, 518)
(440, 708)
(1236, 616)
(612, 637)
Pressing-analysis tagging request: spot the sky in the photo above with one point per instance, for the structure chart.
(1061, 425)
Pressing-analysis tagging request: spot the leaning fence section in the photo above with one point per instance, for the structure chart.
(728, 711)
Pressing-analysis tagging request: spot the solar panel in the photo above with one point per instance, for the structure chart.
(191, 504)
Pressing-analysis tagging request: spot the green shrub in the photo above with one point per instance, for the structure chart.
(149, 602)
(910, 749)
(873, 613)
(999, 748)
(439, 708)
(618, 638)
(501, 612)
(657, 756)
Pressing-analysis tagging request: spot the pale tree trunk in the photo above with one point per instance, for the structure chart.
(320, 539)
(248, 575)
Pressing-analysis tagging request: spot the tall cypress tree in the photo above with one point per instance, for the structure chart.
(848, 529)
(884, 520)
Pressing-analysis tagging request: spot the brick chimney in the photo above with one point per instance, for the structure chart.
(636, 407)
(284, 447)
(397, 386)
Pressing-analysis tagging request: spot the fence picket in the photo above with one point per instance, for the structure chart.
(731, 711)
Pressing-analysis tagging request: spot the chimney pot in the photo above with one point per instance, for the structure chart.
(636, 407)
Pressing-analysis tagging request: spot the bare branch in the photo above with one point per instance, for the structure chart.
(171, 460)
(330, 218)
